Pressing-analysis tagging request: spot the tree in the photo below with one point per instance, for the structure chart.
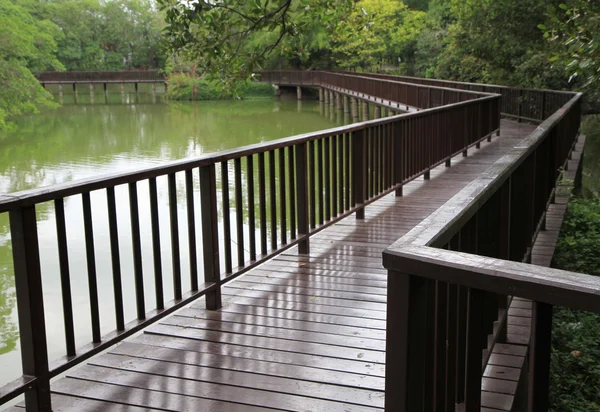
(26, 45)
(231, 38)
(574, 27)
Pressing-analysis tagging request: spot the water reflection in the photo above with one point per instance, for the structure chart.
(100, 133)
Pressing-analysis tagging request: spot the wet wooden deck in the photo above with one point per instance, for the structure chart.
(299, 333)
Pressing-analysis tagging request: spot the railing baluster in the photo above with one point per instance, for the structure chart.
(282, 196)
(239, 212)
(292, 190)
(91, 267)
(65, 276)
(313, 182)
(334, 175)
(349, 195)
(262, 205)
(273, 199)
(441, 340)
(474, 351)
(251, 206)
(137, 251)
(210, 234)
(30, 306)
(327, 177)
(320, 178)
(176, 262)
(539, 357)
(226, 216)
(302, 196)
(359, 157)
(189, 190)
(156, 250)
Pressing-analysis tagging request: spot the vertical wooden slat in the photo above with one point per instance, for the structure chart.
(539, 357)
(405, 343)
(282, 197)
(136, 243)
(156, 250)
(189, 190)
(441, 342)
(349, 197)
(474, 351)
(175, 258)
(334, 175)
(292, 190)
(262, 204)
(226, 216)
(91, 266)
(273, 199)
(251, 206)
(320, 178)
(239, 211)
(65, 276)
(313, 183)
(210, 234)
(302, 196)
(30, 306)
(359, 157)
(326, 142)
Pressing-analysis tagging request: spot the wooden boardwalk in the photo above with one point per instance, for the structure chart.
(299, 333)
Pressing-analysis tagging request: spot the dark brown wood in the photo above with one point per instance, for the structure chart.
(227, 216)
(191, 221)
(539, 357)
(239, 212)
(359, 175)
(210, 233)
(30, 305)
(137, 252)
(176, 262)
(65, 276)
(156, 250)
(251, 207)
(91, 267)
(262, 207)
(282, 198)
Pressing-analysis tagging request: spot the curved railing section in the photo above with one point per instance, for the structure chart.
(451, 278)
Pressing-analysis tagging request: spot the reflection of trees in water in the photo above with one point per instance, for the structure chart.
(9, 333)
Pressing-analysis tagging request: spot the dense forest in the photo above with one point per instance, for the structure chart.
(535, 43)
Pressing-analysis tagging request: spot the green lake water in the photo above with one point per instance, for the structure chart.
(91, 137)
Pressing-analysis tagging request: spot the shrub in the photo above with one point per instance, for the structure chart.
(181, 87)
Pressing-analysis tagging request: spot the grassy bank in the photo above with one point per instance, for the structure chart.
(575, 366)
(185, 87)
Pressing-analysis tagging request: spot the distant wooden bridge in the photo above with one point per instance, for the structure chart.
(75, 78)
(455, 317)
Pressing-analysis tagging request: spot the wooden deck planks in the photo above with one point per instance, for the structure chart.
(297, 333)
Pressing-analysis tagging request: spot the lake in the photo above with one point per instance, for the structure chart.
(109, 133)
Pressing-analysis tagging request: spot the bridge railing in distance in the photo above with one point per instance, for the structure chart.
(139, 76)
(390, 90)
(533, 105)
(281, 191)
(451, 278)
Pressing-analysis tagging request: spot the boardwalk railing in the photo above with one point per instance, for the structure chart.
(450, 278)
(533, 105)
(74, 77)
(283, 191)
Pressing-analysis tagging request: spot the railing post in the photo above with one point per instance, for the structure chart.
(210, 233)
(405, 343)
(539, 357)
(30, 304)
(398, 151)
(520, 105)
(302, 198)
(359, 152)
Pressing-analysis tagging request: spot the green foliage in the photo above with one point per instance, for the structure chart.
(25, 44)
(575, 27)
(187, 87)
(575, 366)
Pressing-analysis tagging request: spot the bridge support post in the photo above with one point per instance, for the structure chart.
(105, 89)
(91, 88)
(365, 110)
(60, 90)
(346, 104)
(377, 112)
(153, 89)
(331, 98)
(354, 108)
(122, 88)
(136, 87)
(299, 93)
(325, 96)
(321, 94)
(74, 88)
(390, 112)
(338, 101)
